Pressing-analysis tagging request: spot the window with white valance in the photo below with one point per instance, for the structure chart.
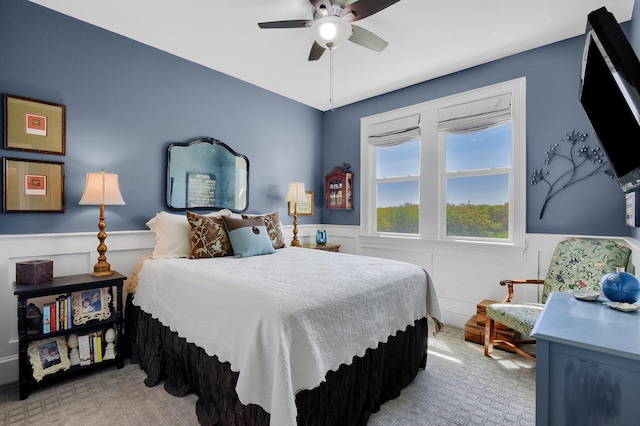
(430, 170)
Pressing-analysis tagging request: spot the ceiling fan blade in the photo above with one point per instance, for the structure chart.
(363, 8)
(318, 5)
(299, 23)
(316, 51)
(367, 39)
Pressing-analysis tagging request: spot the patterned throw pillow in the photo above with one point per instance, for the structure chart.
(274, 228)
(208, 237)
(248, 237)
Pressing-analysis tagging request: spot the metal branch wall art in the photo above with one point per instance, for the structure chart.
(568, 163)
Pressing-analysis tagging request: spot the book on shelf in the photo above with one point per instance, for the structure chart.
(90, 348)
(53, 318)
(46, 319)
(60, 309)
(69, 312)
(84, 349)
(97, 348)
(59, 314)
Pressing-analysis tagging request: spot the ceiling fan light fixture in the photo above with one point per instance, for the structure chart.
(331, 31)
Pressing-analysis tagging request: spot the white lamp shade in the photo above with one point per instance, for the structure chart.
(296, 193)
(102, 188)
(331, 31)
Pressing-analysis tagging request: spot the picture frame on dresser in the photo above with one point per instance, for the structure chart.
(306, 208)
(33, 125)
(33, 186)
(84, 305)
(48, 356)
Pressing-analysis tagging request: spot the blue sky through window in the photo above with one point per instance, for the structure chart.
(484, 149)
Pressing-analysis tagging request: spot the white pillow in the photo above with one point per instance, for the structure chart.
(173, 238)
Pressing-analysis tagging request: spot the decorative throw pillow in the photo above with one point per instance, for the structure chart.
(173, 234)
(248, 237)
(208, 237)
(274, 228)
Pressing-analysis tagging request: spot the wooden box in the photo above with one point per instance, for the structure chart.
(474, 327)
(481, 312)
(34, 272)
(474, 332)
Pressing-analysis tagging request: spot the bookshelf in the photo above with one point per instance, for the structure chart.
(36, 364)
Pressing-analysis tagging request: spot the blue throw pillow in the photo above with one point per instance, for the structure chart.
(248, 237)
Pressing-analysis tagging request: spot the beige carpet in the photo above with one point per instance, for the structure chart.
(459, 387)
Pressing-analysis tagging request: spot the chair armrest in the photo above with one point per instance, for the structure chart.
(510, 283)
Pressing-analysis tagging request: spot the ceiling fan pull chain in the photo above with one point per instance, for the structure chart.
(331, 77)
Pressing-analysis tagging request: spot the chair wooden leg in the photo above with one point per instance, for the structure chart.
(489, 331)
(490, 341)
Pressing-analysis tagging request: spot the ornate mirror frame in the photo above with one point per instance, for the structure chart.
(206, 174)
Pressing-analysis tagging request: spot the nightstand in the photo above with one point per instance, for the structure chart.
(325, 247)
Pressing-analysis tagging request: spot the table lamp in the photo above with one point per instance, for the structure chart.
(102, 189)
(296, 195)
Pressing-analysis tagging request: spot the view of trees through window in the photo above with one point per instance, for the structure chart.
(403, 219)
(478, 220)
(477, 185)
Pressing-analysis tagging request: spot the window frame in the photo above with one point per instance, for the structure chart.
(432, 168)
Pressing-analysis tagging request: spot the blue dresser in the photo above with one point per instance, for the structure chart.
(588, 363)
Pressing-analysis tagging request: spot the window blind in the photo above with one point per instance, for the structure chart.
(476, 115)
(395, 132)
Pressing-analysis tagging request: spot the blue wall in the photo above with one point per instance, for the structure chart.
(126, 102)
(595, 206)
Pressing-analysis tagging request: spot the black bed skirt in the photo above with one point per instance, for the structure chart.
(347, 397)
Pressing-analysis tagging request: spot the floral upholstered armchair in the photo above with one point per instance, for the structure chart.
(577, 263)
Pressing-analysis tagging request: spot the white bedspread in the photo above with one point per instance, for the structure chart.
(284, 320)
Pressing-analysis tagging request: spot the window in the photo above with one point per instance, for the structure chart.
(478, 165)
(451, 169)
(398, 187)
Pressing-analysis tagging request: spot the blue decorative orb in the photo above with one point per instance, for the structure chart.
(621, 287)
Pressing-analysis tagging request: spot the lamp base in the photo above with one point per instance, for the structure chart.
(101, 269)
(295, 243)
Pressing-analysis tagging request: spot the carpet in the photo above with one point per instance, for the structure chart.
(460, 386)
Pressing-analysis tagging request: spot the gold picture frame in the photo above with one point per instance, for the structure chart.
(306, 208)
(98, 308)
(33, 186)
(48, 356)
(35, 126)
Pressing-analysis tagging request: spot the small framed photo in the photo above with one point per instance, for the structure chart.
(304, 209)
(48, 356)
(90, 305)
(32, 125)
(33, 186)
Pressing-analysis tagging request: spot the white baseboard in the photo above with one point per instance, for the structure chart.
(9, 369)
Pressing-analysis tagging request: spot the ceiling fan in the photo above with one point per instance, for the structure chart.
(332, 24)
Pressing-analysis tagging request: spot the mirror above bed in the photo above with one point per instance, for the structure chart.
(206, 174)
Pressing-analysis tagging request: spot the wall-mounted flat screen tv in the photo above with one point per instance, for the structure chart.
(609, 94)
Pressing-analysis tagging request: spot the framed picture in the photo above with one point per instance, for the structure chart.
(90, 305)
(32, 125)
(48, 356)
(304, 209)
(33, 186)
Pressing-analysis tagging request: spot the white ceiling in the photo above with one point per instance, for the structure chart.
(427, 38)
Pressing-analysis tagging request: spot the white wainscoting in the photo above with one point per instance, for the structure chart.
(462, 276)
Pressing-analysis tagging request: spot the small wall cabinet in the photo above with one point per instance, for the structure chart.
(339, 189)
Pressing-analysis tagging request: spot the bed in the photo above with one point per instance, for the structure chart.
(297, 336)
